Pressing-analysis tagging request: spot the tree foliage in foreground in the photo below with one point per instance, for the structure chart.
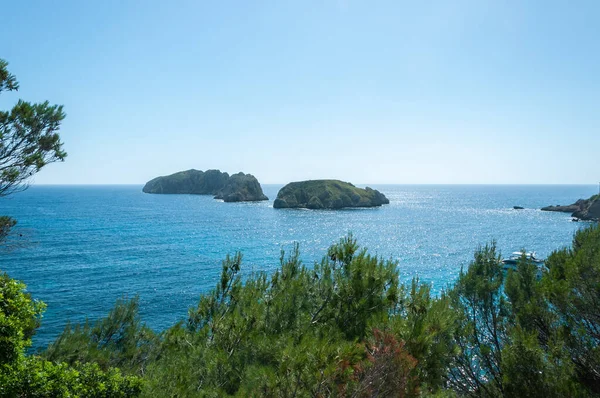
(347, 327)
(325, 330)
(23, 375)
(28, 137)
(344, 327)
(28, 141)
(525, 335)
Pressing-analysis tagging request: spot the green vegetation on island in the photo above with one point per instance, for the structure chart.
(583, 209)
(327, 194)
(238, 187)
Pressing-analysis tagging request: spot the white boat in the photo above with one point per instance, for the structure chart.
(515, 257)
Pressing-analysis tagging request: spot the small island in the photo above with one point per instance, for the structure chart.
(238, 187)
(327, 194)
(583, 209)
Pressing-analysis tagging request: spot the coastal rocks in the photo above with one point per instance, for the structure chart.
(518, 208)
(583, 209)
(591, 212)
(241, 188)
(577, 206)
(327, 194)
(235, 188)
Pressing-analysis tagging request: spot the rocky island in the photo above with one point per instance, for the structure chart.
(238, 187)
(327, 194)
(583, 209)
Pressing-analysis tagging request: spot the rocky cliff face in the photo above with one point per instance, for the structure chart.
(236, 188)
(584, 209)
(589, 212)
(241, 188)
(327, 194)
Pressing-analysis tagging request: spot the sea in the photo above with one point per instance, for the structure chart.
(80, 248)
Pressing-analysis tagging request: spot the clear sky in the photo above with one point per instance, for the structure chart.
(461, 91)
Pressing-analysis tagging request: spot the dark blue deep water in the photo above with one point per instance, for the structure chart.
(79, 248)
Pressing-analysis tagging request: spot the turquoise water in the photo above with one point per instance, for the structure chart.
(79, 248)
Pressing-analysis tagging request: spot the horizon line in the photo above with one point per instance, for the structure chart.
(372, 183)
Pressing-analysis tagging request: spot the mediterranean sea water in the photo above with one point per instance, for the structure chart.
(79, 248)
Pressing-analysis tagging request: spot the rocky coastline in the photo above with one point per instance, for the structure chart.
(238, 187)
(583, 209)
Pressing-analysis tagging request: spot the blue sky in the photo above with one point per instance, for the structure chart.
(463, 91)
